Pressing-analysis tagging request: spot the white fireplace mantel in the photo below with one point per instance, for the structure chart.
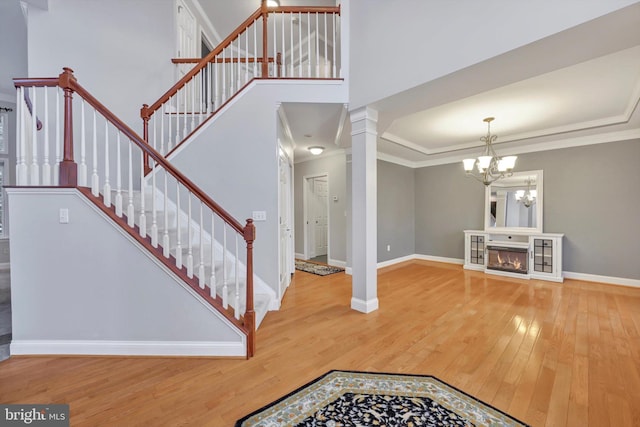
(544, 252)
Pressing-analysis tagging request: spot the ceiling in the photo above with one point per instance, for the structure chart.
(557, 92)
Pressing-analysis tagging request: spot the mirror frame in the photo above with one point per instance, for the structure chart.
(538, 206)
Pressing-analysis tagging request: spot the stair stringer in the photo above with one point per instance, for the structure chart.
(233, 157)
(71, 300)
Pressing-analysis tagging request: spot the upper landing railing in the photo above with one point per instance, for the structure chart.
(284, 42)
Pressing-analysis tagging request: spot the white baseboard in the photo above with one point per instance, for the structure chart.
(127, 348)
(337, 263)
(440, 259)
(299, 256)
(364, 306)
(387, 263)
(347, 270)
(602, 279)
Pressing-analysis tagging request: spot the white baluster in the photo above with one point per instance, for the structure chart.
(246, 57)
(317, 49)
(275, 45)
(131, 215)
(82, 167)
(21, 167)
(225, 302)
(224, 77)
(95, 190)
(46, 168)
(308, 44)
(161, 112)
(189, 239)
(118, 177)
(326, 71)
(170, 135)
(291, 73)
(186, 104)
(255, 49)
(178, 138)
(333, 59)
(142, 223)
(231, 70)
(237, 273)
(216, 91)
(178, 231)
(201, 272)
(56, 166)
(165, 236)
(154, 126)
(212, 278)
(209, 98)
(154, 213)
(106, 191)
(35, 172)
(284, 50)
(299, 44)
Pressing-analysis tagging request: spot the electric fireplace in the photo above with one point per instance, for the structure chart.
(502, 258)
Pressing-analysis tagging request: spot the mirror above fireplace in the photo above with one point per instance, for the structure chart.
(515, 204)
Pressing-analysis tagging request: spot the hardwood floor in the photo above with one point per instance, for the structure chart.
(546, 353)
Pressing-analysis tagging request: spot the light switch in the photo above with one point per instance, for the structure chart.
(64, 216)
(259, 215)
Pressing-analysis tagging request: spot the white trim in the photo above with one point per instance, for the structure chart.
(10, 98)
(610, 280)
(336, 263)
(394, 261)
(343, 117)
(348, 271)
(212, 33)
(446, 260)
(602, 138)
(299, 256)
(364, 306)
(128, 348)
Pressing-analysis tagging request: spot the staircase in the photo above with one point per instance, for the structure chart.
(67, 139)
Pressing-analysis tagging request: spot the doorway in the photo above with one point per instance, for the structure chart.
(316, 234)
(287, 263)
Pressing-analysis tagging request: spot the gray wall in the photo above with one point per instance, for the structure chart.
(13, 47)
(120, 50)
(446, 204)
(70, 284)
(396, 210)
(589, 195)
(336, 167)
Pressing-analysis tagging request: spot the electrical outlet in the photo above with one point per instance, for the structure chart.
(64, 216)
(388, 248)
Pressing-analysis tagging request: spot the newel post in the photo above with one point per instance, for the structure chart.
(68, 166)
(145, 114)
(250, 314)
(265, 44)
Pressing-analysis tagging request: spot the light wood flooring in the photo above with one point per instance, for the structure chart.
(546, 353)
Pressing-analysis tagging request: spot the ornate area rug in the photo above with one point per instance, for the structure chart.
(319, 269)
(345, 398)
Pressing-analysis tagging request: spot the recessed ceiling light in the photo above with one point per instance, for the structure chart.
(316, 150)
(273, 3)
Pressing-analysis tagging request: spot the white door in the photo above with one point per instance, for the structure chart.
(188, 47)
(317, 216)
(286, 235)
(320, 190)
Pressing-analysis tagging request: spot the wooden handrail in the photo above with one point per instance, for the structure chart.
(262, 11)
(157, 157)
(133, 136)
(147, 112)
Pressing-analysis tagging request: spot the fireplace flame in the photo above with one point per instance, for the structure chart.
(515, 264)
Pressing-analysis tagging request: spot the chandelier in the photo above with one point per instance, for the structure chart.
(527, 198)
(490, 166)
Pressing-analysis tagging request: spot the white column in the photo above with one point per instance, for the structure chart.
(364, 210)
